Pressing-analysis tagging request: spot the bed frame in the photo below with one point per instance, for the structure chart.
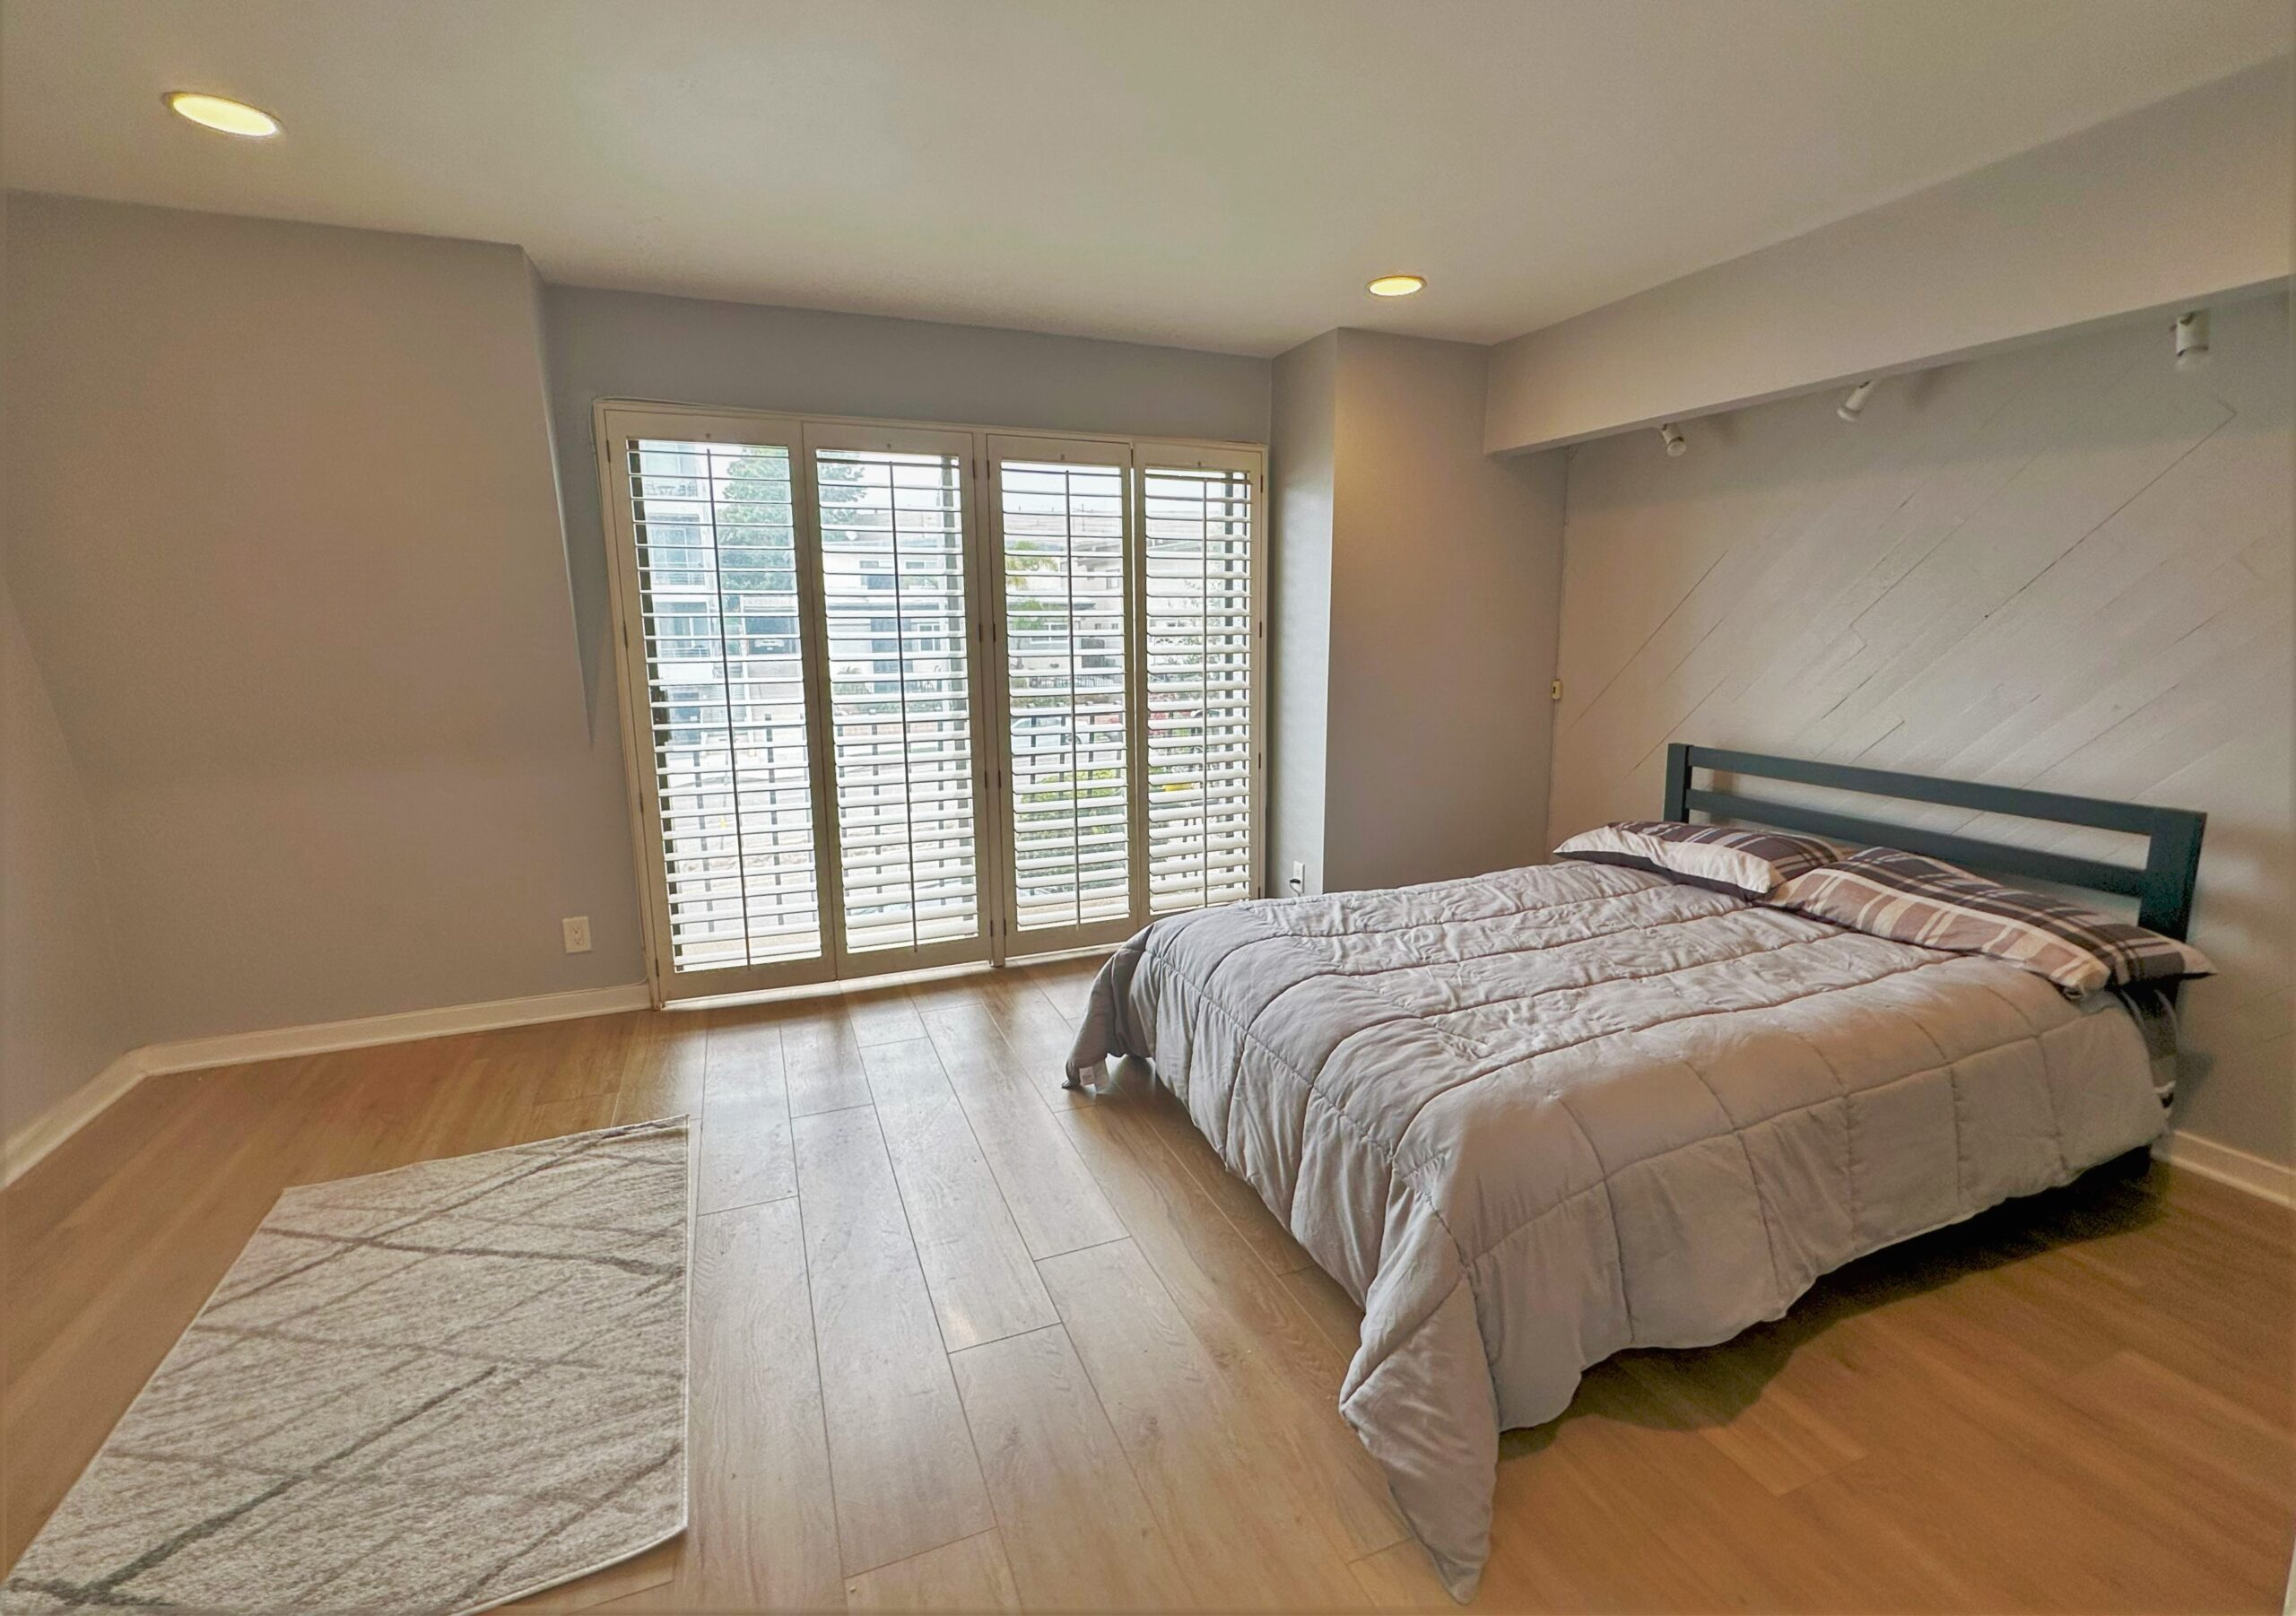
(2162, 886)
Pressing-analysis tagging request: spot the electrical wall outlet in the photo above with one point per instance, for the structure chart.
(1298, 878)
(578, 934)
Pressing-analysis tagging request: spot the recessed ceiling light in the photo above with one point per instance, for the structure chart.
(220, 112)
(1395, 286)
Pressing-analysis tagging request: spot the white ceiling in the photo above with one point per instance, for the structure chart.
(1216, 173)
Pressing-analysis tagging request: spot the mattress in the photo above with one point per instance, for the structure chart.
(1533, 1118)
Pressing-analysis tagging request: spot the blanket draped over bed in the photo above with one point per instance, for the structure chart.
(1530, 1119)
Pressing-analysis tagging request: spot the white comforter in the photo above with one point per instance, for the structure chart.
(1531, 1118)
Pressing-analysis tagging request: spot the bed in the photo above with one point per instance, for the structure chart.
(1530, 1119)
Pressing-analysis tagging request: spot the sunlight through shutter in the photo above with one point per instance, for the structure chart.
(892, 543)
(800, 605)
(1062, 528)
(717, 568)
(1201, 666)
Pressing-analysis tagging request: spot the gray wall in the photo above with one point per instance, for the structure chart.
(286, 547)
(63, 1017)
(618, 345)
(1446, 583)
(1417, 584)
(1300, 530)
(2068, 566)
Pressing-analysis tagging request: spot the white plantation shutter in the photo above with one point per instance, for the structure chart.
(825, 782)
(898, 634)
(715, 540)
(1061, 530)
(1201, 672)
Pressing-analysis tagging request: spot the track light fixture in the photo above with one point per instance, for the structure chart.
(2192, 340)
(1675, 447)
(1852, 406)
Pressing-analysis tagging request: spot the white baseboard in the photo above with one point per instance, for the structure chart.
(2272, 1180)
(75, 1110)
(238, 1049)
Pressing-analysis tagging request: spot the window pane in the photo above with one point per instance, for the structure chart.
(900, 718)
(716, 565)
(1197, 528)
(1062, 531)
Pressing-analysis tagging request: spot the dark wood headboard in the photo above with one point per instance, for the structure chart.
(2162, 885)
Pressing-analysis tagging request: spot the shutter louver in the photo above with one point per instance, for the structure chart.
(1201, 669)
(1062, 526)
(716, 569)
(892, 546)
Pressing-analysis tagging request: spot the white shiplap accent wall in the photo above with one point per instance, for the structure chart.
(2067, 567)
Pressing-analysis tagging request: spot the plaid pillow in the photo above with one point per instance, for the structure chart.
(1748, 864)
(1915, 899)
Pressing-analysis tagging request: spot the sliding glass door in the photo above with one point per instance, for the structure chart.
(901, 696)
(1063, 523)
(1201, 625)
(897, 616)
(709, 574)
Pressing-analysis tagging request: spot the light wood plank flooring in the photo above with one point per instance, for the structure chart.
(964, 1342)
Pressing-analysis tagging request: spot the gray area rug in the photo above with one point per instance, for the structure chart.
(433, 1390)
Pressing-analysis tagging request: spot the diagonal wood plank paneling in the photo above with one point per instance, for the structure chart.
(2068, 566)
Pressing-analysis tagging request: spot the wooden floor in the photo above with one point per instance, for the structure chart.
(963, 1341)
